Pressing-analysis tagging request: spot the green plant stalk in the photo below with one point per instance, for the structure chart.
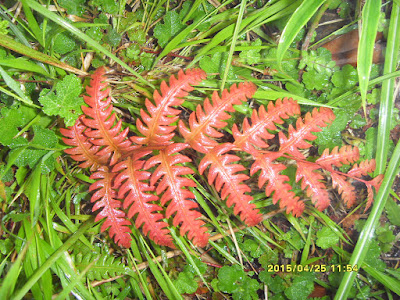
(370, 19)
(52, 259)
(387, 91)
(233, 43)
(72, 29)
(364, 241)
(9, 43)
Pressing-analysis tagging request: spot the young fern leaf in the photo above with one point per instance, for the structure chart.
(344, 188)
(99, 117)
(83, 150)
(277, 183)
(131, 180)
(106, 200)
(297, 137)
(312, 181)
(156, 124)
(345, 155)
(203, 124)
(365, 167)
(174, 189)
(223, 173)
(262, 121)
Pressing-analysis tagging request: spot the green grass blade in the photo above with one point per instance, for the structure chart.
(10, 43)
(25, 65)
(11, 278)
(364, 241)
(12, 84)
(72, 29)
(52, 259)
(388, 281)
(32, 23)
(233, 43)
(387, 91)
(370, 19)
(227, 32)
(159, 273)
(297, 21)
(77, 279)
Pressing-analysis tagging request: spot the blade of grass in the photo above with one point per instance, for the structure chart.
(10, 43)
(52, 259)
(227, 32)
(32, 23)
(233, 43)
(25, 65)
(369, 19)
(11, 278)
(387, 91)
(77, 279)
(180, 241)
(388, 281)
(159, 273)
(75, 31)
(297, 21)
(12, 84)
(364, 241)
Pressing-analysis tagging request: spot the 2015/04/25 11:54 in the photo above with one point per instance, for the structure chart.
(311, 268)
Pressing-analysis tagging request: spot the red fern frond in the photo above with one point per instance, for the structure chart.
(203, 124)
(370, 197)
(83, 151)
(376, 183)
(173, 186)
(277, 183)
(365, 167)
(156, 126)
(297, 137)
(105, 198)
(100, 119)
(311, 180)
(346, 155)
(256, 133)
(131, 180)
(223, 173)
(344, 188)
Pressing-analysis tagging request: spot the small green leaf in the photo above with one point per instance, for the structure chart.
(185, 283)
(326, 238)
(113, 38)
(393, 212)
(172, 25)
(108, 6)
(251, 56)
(234, 280)
(11, 119)
(64, 43)
(65, 102)
(302, 286)
(314, 80)
(3, 27)
(73, 7)
(346, 78)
